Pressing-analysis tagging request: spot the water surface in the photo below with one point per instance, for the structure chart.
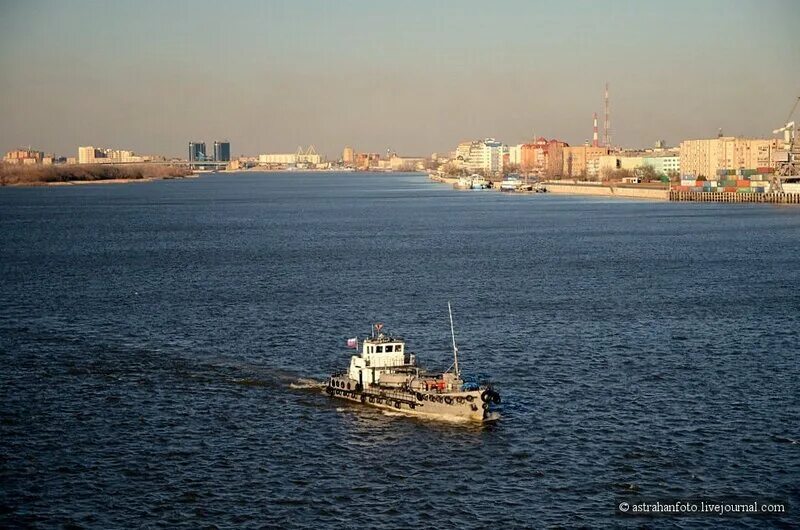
(160, 343)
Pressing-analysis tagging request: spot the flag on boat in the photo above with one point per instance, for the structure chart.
(378, 327)
(352, 343)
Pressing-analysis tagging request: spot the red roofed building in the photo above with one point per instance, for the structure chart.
(543, 156)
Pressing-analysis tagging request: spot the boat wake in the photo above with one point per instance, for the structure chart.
(306, 384)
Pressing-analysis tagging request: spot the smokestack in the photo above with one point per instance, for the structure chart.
(607, 124)
(595, 140)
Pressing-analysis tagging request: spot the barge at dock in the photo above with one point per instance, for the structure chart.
(386, 376)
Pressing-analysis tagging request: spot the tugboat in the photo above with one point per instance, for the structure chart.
(387, 376)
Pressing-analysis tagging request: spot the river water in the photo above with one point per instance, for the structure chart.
(162, 346)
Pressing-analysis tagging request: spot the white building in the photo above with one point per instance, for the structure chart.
(481, 155)
(92, 155)
(309, 156)
(277, 159)
(515, 154)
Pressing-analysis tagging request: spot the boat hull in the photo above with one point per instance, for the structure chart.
(471, 406)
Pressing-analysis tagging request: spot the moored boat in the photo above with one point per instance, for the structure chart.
(510, 184)
(479, 183)
(463, 183)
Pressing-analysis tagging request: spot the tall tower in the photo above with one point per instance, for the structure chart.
(595, 141)
(607, 124)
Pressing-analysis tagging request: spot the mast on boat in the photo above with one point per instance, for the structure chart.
(453, 334)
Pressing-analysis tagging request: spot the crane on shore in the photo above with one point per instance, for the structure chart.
(788, 159)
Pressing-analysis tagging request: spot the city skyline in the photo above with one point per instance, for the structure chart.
(416, 78)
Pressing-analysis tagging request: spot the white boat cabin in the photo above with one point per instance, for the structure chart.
(380, 355)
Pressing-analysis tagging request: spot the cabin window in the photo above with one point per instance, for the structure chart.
(380, 349)
(389, 348)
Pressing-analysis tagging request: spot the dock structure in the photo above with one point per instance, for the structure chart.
(721, 196)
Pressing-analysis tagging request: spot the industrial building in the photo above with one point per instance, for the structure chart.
(301, 157)
(406, 163)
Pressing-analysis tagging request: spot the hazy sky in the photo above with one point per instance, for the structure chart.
(413, 76)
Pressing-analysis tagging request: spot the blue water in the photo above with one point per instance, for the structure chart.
(160, 345)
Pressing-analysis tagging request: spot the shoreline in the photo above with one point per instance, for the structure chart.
(650, 192)
(82, 174)
(620, 191)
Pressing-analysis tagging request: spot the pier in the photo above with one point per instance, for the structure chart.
(768, 198)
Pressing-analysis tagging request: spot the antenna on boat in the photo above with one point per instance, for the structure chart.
(453, 334)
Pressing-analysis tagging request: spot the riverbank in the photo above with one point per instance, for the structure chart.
(625, 191)
(62, 175)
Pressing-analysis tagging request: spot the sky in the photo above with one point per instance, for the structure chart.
(412, 76)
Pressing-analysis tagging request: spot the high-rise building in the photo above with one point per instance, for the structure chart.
(222, 151)
(91, 155)
(481, 155)
(515, 154)
(348, 156)
(197, 152)
(703, 158)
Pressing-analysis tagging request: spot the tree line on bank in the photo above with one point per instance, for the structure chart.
(20, 175)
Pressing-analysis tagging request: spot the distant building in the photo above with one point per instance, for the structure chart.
(308, 157)
(615, 162)
(582, 161)
(542, 156)
(486, 156)
(23, 157)
(703, 158)
(405, 163)
(197, 152)
(515, 154)
(277, 159)
(93, 155)
(89, 155)
(664, 165)
(367, 160)
(222, 151)
(348, 156)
